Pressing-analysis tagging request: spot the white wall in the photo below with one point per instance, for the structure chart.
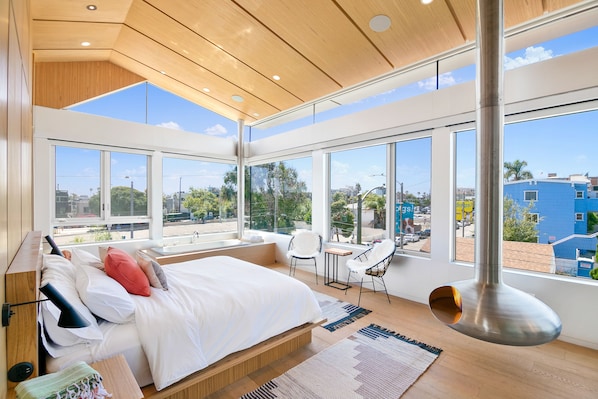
(568, 81)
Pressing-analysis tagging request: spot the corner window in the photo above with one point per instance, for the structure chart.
(278, 196)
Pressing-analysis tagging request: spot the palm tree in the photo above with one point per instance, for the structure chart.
(514, 171)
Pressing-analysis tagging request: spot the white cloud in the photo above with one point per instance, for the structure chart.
(216, 130)
(532, 54)
(444, 80)
(340, 168)
(170, 125)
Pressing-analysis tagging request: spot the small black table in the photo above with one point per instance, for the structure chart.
(334, 253)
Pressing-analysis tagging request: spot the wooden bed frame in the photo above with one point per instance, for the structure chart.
(22, 336)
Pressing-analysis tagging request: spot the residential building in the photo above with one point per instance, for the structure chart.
(559, 206)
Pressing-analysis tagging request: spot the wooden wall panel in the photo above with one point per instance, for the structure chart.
(22, 284)
(61, 84)
(16, 157)
(14, 141)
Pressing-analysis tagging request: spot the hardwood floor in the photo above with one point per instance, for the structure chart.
(467, 368)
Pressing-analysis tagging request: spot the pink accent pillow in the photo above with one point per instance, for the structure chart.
(123, 268)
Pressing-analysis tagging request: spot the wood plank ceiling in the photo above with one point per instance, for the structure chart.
(209, 51)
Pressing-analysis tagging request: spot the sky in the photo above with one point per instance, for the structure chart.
(539, 143)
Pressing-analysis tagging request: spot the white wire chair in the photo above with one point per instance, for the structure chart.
(374, 263)
(305, 245)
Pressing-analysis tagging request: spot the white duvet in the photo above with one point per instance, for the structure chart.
(216, 306)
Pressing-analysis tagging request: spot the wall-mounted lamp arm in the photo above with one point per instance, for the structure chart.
(69, 317)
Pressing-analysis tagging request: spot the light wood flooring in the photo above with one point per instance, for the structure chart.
(467, 368)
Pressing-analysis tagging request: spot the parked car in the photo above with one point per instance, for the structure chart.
(425, 233)
(411, 237)
(398, 241)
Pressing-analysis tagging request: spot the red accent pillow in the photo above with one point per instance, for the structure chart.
(123, 268)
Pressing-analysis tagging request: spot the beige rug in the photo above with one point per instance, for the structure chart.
(373, 363)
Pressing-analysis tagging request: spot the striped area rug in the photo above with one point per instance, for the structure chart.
(373, 363)
(337, 312)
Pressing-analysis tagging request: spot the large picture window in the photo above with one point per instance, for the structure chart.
(413, 205)
(550, 202)
(278, 196)
(464, 201)
(199, 197)
(99, 195)
(358, 195)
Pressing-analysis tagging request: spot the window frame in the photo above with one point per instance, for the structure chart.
(228, 234)
(525, 195)
(105, 217)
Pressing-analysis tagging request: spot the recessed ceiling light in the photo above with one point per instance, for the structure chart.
(256, 114)
(92, 7)
(380, 23)
(238, 98)
(85, 44)
(206, 89)
(276, 77)
(425, 2)
(163, 72)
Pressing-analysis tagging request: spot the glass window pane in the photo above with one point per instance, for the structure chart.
(96, 233)
(77, 193)
(128, 184)
(465, 175)
(198, 196)
(358, 195)
(413, 209)
(544, 212)
(279, 196)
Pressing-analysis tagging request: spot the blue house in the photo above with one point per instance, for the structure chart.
(561, 208)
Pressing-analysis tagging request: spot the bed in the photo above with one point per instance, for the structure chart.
(238, 317)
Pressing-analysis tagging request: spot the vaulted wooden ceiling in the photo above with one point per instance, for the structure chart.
(211, 51)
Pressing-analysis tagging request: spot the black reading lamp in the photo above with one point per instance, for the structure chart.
(69, 317)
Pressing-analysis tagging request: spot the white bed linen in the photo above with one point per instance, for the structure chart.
(216, 306)
(118, 339)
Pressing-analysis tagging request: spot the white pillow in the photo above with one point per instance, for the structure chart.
(59, 274)
(81, 257)
(104, 296)
(58, 267)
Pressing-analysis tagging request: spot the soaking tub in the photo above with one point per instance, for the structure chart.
(197, 247)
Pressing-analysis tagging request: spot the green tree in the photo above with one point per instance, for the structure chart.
(341, 217)
(201, 202)
(120, 198)
(518, 222)
(515, 171)
(276, 197)
(378, 204)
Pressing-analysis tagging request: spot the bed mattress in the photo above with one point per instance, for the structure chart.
(214, 307)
